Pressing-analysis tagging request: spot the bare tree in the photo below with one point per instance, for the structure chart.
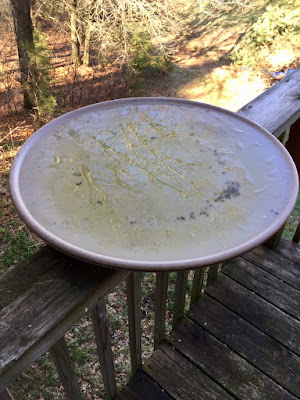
(115, 23)
(21, 10)
(89, 27)
(74, 32)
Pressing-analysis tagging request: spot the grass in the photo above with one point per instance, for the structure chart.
(18, 246)
(203, 71)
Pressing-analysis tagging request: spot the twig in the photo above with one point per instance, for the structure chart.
(11, 131)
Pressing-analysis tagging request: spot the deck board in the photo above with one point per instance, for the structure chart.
(182, 379)
(142, 387)
(267, 286)
(241, 339)
(259, 349)
(220, 362)
(276, 264)
(289, 249)
(257, 311)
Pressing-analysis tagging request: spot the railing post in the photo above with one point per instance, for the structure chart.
(284, 137)
(197, 284)
(134, 319)
(65, 368)
(160, 307)
(102, 335)
(296, 237)
(274, 240)
(180, 290)
(212, 273)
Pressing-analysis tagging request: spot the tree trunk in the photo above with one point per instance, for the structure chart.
(24, 34)
(74, 34)
(86, 54)
(88, 30)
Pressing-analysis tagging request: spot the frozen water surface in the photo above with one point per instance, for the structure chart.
(153, 181)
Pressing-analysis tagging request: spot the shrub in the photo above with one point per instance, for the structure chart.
(148, 59)
(275, 25)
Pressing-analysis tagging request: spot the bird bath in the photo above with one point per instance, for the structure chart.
(153, 184)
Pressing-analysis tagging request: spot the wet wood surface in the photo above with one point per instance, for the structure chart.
(241, 339)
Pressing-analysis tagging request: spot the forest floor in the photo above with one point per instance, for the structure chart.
(203, 70)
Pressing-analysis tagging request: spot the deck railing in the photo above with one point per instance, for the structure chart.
(277, 109)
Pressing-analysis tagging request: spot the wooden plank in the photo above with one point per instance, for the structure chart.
(276, 264)
(257, 311)
(197, 284)
(289, 249)
(142, 387)
(228, 369)
(180, 290)
(102, 336)
(21, 277)
(65, 368)
(33, 320)
(134, 319)
(265, 285)
(278, 107)
(256, 347)
(160, 307)
(181, 378)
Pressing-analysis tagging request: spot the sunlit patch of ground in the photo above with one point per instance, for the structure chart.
(281, 58)
(226, 86)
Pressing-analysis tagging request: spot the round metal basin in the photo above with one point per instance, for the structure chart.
(153, 184)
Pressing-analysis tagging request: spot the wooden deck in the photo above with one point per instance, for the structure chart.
(241, 340)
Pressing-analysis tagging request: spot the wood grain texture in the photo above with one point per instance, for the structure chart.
(160, 307)
(103, 342)
(35, 315)
(278, 107)
(276, 264)
(181, 378)
(142, 387)
(17, 279)
(225, 366)
(265, 285)
(134, 319)
(289, 249)
(65, 368)
(260, 313)
(259, 349)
